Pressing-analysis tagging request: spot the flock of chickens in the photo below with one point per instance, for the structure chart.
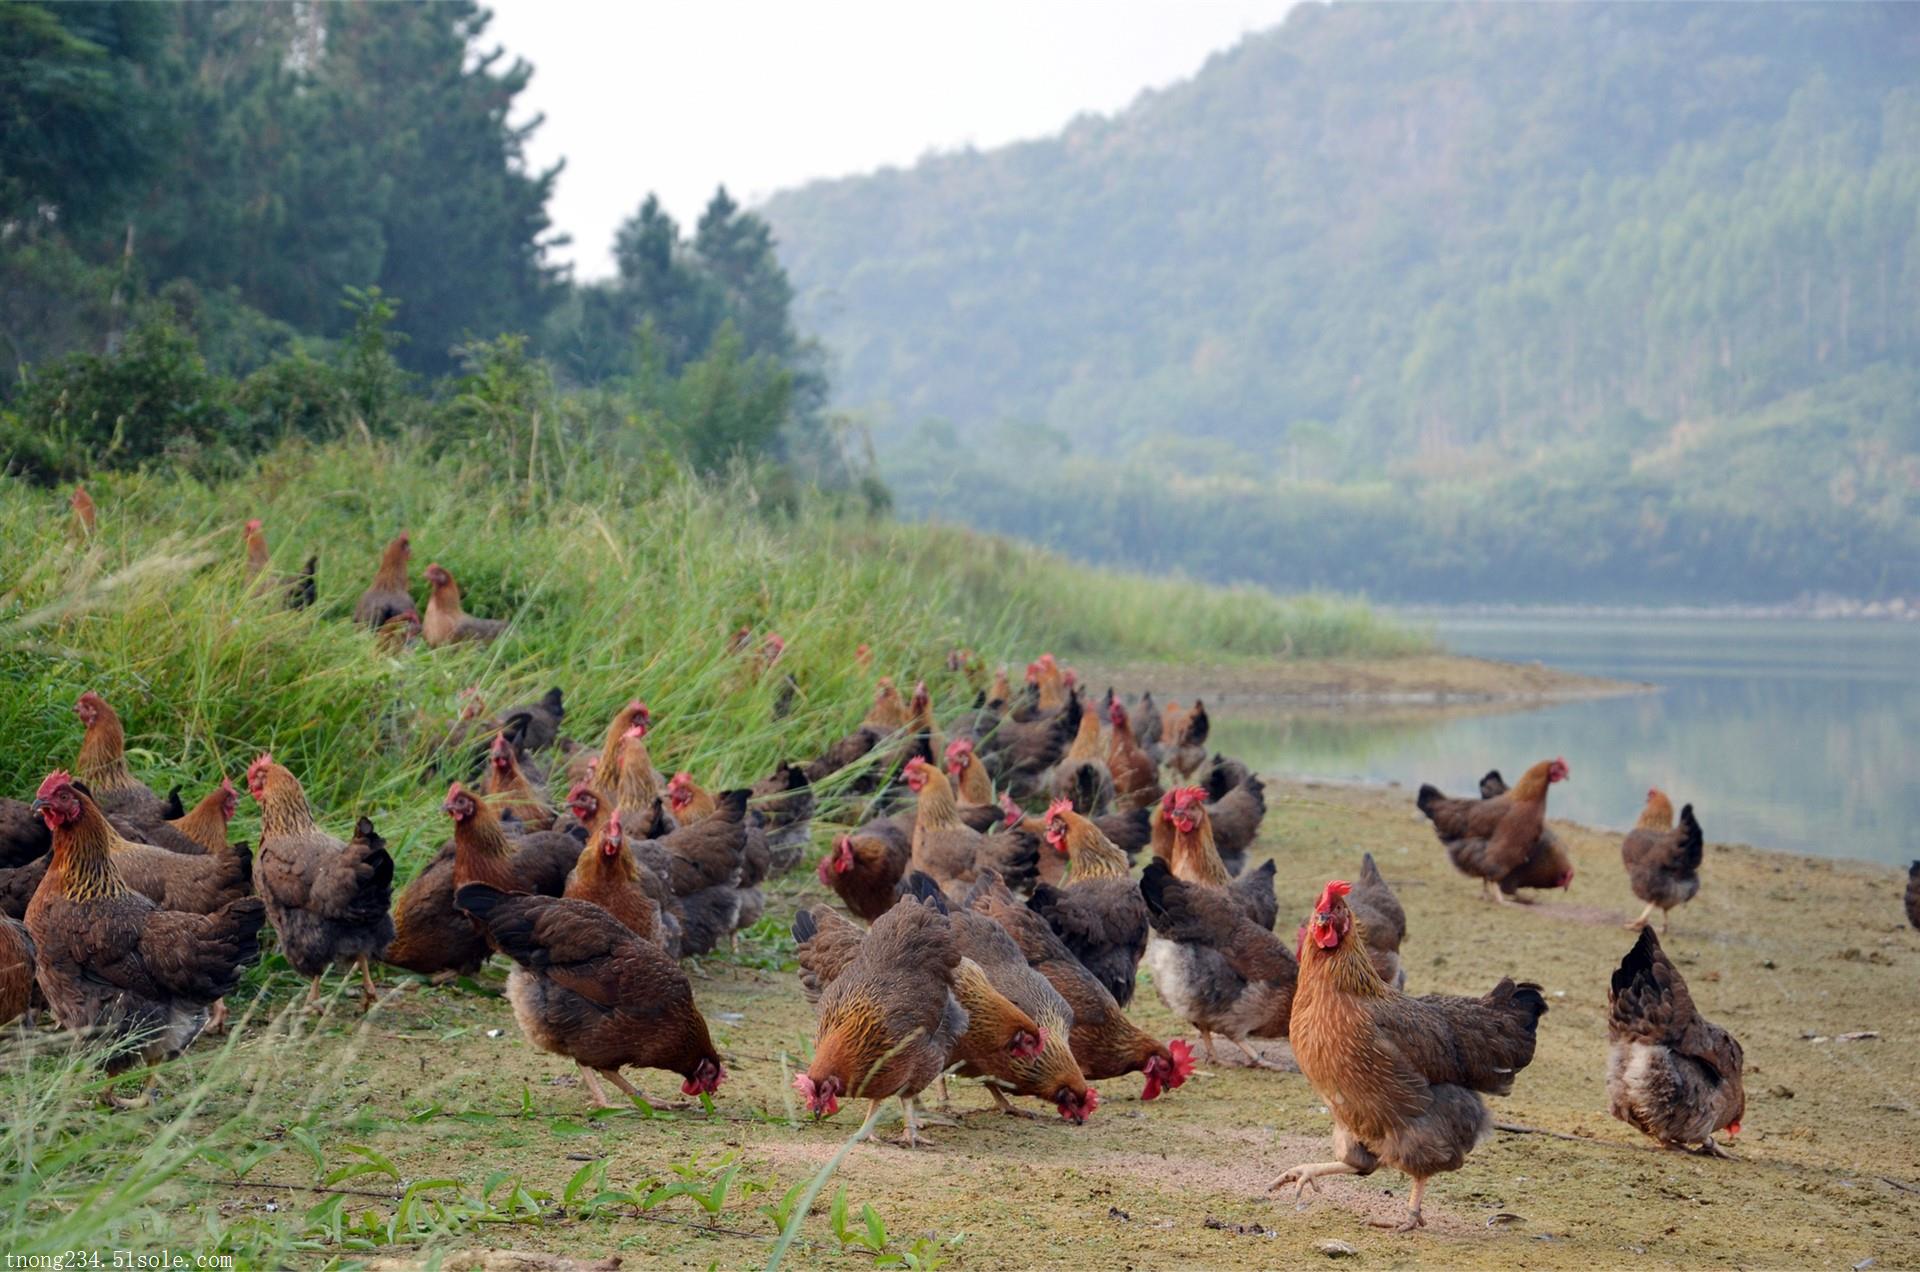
(984, 939)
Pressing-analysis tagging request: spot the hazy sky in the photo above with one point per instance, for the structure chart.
(676, 96)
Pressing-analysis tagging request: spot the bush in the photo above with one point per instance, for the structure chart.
(153, 397)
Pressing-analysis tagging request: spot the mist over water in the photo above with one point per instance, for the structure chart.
(1783, 733)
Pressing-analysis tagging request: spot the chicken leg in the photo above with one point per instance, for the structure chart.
(595, 1091)
(1414, 1218)
(1305, 1175)
(1254, 1058)
(1006, 1105)
(1206, 1044)
(1636, 924)
(313, 995)
(146, 1099)
(217, 1017)
(369, 994)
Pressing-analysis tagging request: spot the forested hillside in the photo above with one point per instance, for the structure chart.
(1489, 302)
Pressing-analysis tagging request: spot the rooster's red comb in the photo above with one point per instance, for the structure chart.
(55, 780)
(1059, 808)
(1334, 891)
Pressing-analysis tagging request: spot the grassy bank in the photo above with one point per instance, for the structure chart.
(621, 578)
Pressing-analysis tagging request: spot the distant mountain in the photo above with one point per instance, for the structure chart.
(1483, 301)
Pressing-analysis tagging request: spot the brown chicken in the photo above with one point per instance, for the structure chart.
(1043, 1068)
(446, 623)
(1184, 738)
(1136, 778)
(431, 936)
(86, 517)
(687, 798)
(1402, 1075)
(102, 765)
(586, 988)
(1019, 753)
(1098, 913)
(651, 865)
(889, 1021)
(864, 871)
(969, 776)
(1662, 860)
(889, 710)
(327, 900)
(391, 595)
(1913, 894)
(1082, 776)
(607, 875)
(1671, 1072)
(16, 970)
(1214, 967)
(23, 837)
(1235, 809)
(1382, 921)
(198, 883)
(1105, 1043)
(297, 590)
(509, 790)
(1495, 840)
(998, 1034)
(114, 967)
(204, 826)
(783, 803)
(1183, 838)
(635, 714)
(949, 850)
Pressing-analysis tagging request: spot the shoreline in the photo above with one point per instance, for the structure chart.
(1409, 680)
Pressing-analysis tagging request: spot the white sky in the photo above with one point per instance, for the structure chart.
(677, 96)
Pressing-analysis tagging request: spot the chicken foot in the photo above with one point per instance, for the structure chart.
(1711, 1149)
(1414, 1218)
(216, 1018)
(1305, 1174)
(1006, 1106)
(1636, 924)
(148, 1097)
(1254, 1058)
(369, 993)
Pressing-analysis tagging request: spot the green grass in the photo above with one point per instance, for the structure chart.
(621, 579)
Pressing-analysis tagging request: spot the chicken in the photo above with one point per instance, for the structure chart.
(1235, 810)
(1098, 913)
(1913, 894)
(784, 803)
(1144, 716)
(1382, 922)
(113, 966)
(1548, 865)
(1671, 1073)
(1000, 1042)
(1136, 778)
(102, 765)
(391, 596)
(889, 710)
(198, 883)
(1019, 752)
(1105, 1043)
(1001, 692)
(704, 865)
(19, 883)
(687, 798)
(607, 875)
(889, 1020)
(1184, 739)
(1214, 967)
(327, 900)
(634, 715)
(1082, 776)
(446, 623)
(16, 970)
(1049, 682)
(1402, 1075)
(864, 871)
(969, 777)
(23, 837)
(297, 590)
(508, 789)
(86, 518)
(1662, 860)
(203, 828)
(1183, 838)
(1042, 1067)
(948, 849)
(649, 874)
(586, 988)
(1495, 839)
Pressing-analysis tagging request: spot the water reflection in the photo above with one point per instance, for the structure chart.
(1785, 734)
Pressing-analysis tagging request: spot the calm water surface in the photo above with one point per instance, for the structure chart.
(1783, 733)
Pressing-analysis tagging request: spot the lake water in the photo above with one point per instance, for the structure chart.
(1783, 733)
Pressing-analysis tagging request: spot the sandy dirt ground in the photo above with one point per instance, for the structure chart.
(1790, 953)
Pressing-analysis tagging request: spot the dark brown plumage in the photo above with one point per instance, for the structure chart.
(1671, 1072)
